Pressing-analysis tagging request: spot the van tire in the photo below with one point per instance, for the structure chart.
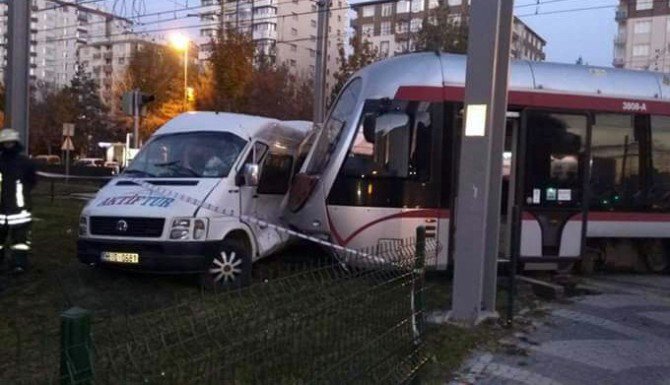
(229, 267)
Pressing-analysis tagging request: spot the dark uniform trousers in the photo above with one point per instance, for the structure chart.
(16, 238)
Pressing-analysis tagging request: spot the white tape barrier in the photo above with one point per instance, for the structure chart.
(252, 220)
(243, 218)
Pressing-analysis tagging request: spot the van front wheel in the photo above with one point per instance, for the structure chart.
(230, 268)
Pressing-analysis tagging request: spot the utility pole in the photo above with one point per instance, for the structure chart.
(137, 105)
(17, 72)
(481, 161)
(323, 7)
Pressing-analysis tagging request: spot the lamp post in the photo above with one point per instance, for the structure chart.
(180, 42)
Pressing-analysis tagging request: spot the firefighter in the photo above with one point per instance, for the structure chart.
(17, 179)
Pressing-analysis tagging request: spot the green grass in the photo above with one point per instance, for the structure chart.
(130, 305)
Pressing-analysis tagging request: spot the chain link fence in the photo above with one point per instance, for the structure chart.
(326, 323)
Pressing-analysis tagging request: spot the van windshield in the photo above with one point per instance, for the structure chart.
(188, 155)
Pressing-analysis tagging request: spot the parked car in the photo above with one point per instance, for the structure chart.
(115, 166)
(89, 162)
(47, 159)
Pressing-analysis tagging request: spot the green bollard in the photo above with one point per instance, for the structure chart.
(76, 349)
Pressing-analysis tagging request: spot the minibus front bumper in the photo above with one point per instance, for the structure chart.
(152, 257)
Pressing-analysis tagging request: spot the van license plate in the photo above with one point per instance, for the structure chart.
(132, 258)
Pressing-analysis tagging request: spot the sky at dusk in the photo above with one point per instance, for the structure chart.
(572, 28)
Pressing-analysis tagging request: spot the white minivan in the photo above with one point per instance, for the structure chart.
(241, 164)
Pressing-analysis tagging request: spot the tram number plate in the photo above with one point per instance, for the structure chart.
(131, 258)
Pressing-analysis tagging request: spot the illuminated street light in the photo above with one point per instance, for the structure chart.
(181, 43)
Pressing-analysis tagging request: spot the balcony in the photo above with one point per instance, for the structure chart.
(621, 15)
(108, 69)
(618, 62)
(108, 55)
(620, 40)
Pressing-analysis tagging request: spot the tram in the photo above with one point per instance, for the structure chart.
(587, 160)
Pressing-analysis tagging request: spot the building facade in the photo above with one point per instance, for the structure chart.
(643, 37)
(66, 34)
(285, 31)
(391, 26)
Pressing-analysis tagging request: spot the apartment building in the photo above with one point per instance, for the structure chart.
(65, 35)
(643, 37)
(284, 30)
(391, 26)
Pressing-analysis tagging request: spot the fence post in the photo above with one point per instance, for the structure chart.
(418, 309)
(76, 355)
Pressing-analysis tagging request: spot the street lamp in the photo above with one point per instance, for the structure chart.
(180, 42)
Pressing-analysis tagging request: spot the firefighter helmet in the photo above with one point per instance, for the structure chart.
(9, 135)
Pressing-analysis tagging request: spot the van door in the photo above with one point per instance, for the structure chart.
(551, 185)
(270, 194)
(248, 194)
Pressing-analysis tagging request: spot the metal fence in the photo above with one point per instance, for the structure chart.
(331, 323)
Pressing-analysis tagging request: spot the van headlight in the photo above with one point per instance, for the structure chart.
(188, 228)
(83, 226)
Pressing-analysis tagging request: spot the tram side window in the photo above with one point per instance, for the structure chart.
(615, 166)
(554, 162)
(401, 147)
(395, 164)
(660, 163)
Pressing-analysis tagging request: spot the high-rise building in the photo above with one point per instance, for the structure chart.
(69, 34)
(643, 38)
(392, 26)
(283, 30)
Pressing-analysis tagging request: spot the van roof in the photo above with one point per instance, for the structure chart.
(244, 126)
(283, 133)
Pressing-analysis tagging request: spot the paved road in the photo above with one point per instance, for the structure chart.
(621, 336)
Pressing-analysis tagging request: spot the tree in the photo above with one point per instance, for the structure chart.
(443, 31)
(47, 115)
(156, 70)
(363, 54)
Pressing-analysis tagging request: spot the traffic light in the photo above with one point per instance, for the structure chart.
(144, 100)
(135, 99)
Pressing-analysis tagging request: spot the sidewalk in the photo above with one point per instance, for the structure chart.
(619, 337)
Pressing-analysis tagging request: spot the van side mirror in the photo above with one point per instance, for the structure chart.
(251, 174)
(369, 127)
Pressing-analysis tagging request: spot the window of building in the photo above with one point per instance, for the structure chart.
(368, 29)
(615, 162)
(401, 27)
(642, 27)
(641, 5)
(417, 5)
(432, 4)
(386, 28)
(384, 48)
(294, 48)
(387, 9)
(313, 23)
(294, 32)
(453, 3)
(641, 50)
(312, 53)
(416, 24)
(293, 63)
(402, 6)
(369, 11)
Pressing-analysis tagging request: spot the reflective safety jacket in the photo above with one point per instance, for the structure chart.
(17, 179)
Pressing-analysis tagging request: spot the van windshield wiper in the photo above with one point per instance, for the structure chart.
(139, 172)
(179, 167)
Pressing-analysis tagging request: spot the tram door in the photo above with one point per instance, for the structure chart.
(549, 182)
